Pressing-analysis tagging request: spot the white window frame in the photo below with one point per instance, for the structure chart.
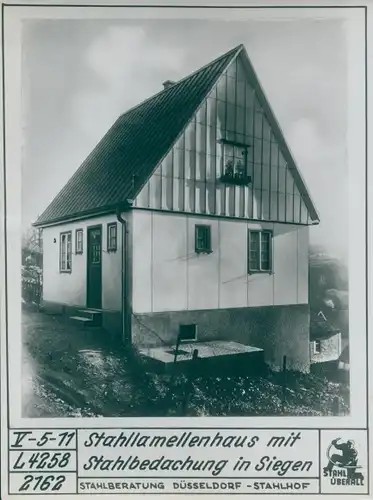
(206, 247)
(260, 269)
(65, 252)
(110, 238)
(79, 241)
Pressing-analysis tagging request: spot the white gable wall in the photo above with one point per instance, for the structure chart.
(70, 288)
(169, 276)
(188, 178)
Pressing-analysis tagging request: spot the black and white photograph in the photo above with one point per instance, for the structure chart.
(185, 228)
(185, 248)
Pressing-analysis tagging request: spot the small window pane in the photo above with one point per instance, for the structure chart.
(65, 252)
(112, 237)
(260, 251)
(203, 239)
(254, 251)
(235, 161)
(79, 241)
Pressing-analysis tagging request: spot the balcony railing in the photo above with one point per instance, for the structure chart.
(236, 179)
(235, 174)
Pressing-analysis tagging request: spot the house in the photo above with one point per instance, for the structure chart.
(189, 211)
(325, 340)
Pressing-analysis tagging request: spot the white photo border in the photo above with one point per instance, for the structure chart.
(355, 18)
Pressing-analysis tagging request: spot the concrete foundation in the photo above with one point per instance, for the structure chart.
(278, 330)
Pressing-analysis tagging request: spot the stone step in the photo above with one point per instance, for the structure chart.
(90, 311)
(92, 314)
(82, 320)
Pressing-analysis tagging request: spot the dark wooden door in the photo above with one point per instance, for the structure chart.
(94, 267)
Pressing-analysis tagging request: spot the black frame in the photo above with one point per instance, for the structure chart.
(110, 248)
(77, 250)
(66, 233)
(206, 229)
(250, 270)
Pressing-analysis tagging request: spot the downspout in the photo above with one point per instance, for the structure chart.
(126, 334)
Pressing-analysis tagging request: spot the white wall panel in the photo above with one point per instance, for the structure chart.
(179, 279)
(203, 269)
(285, 264)
(260, 290)
(169, 263)
(142, 261)
(303, 244)
(233, 264)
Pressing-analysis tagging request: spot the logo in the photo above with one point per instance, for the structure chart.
(343, 466)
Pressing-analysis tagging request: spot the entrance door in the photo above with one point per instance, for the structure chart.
(94, 268)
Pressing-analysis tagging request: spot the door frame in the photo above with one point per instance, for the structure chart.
(94, 226)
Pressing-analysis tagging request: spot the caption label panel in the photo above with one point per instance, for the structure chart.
(179, 461)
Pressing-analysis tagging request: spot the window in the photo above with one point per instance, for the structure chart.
(260, 251)
(187, 333)
(317, 347)
(65, 252)
(203, 239)
(235, 163)
(112, 237)
(79, 241)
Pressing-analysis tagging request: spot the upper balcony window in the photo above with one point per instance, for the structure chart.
(235, 163)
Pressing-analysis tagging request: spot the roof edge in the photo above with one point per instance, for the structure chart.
(87, 214)
(49, 222)
(214, 61)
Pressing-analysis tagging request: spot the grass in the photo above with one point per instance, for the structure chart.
(70, 371)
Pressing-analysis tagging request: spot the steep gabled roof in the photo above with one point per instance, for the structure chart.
(126, 156)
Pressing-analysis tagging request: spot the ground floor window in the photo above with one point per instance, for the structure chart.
(260, 251)
(65, 252)
(79, 241)
(203, 239)
(112, 237)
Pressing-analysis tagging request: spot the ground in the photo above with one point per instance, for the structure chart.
(69, 371)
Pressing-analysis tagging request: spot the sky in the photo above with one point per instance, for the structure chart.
(78, 76)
